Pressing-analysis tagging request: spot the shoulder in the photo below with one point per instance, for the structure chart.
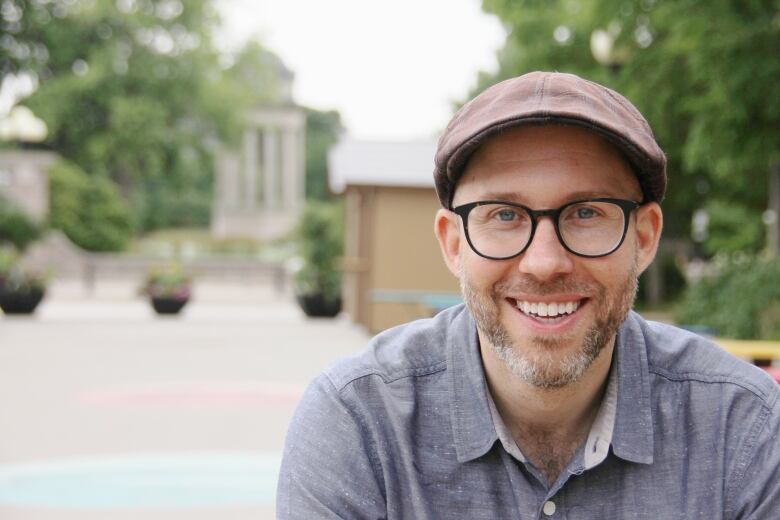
(677, 355)
(417, 348)
(337, 428)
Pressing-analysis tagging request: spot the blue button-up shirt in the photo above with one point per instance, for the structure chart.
(404, 430)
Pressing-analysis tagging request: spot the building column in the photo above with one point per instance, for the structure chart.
(290, 171)
(300, 155)
(249, 181)
(270, 168)
(228, 192)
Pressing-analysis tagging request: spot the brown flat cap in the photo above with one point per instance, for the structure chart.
(539, 98)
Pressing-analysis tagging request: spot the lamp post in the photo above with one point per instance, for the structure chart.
(771, 216)
(22, 126)
(603, 49)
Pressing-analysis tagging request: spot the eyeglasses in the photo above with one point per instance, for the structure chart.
(499, 230)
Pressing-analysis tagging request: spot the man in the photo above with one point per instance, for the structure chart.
(544, 396)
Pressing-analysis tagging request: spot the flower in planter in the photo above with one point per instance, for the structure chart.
(23, 281)
(320, 240)
(8, 260)
(21, 290)
(170, 282)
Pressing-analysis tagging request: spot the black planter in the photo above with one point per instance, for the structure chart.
(318, 306)
(168, 305)
(20, 302)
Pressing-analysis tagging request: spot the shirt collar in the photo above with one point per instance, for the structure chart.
(603, 428)
(473, 426)
(633, 437)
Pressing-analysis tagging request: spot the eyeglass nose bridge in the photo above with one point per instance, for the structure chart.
(537, 214)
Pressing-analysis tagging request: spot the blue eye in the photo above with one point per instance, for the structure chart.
(585, 213)
(506, 215)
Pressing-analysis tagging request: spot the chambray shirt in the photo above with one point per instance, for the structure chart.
(404, 430)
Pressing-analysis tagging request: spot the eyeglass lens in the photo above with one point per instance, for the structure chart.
(590, 228)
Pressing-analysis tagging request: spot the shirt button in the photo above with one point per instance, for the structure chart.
(548, 508)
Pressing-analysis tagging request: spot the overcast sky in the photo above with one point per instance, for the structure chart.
(391, 67)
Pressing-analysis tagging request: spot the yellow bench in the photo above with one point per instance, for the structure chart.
(752, 350)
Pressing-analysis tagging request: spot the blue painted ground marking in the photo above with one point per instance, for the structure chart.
(203, 479)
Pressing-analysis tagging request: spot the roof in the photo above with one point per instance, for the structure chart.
(381, 163)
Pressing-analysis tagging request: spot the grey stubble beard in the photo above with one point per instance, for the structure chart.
(537, 364)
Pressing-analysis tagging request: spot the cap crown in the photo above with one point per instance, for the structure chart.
(539, 98)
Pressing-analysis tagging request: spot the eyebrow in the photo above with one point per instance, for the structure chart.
(517, 197)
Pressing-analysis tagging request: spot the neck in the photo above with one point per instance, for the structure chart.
(568, 411)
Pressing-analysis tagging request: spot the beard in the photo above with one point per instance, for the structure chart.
(543, 362)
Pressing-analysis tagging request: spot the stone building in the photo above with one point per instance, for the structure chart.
(260, 189)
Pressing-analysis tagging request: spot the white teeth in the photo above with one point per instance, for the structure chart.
(547, 309)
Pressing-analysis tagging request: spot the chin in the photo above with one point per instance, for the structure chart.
(549, 362)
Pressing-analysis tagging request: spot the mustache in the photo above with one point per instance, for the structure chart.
(527, 284)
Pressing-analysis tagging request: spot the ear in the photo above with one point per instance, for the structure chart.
(649, 223)
(447, 228)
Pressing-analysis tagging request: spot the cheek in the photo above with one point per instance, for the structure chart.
(613, 271)
(481, 272)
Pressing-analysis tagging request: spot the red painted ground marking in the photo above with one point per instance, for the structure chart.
(200, 393)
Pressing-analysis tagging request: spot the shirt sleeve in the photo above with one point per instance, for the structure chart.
(758, 490)
(328, 467)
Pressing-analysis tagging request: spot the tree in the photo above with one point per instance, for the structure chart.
(133, 91)
(16, 227)
(322, 131)
(89, 211)
(705, 74)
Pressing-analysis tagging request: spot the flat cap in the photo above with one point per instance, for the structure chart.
(540, 98)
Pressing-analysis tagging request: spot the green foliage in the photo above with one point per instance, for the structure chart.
(320, 236)
(673, 279)
(256, 77)
(705, 74)
(9, 256)
(15, 226)
(136, 92)
(740, 301)
(732, 228)
(162, 206)
(322, 132)
(169, 281)
(88, 209)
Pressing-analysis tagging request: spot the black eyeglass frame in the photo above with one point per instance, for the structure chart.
(626, 205)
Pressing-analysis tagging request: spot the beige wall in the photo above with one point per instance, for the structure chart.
(392, 256)
(24, 179)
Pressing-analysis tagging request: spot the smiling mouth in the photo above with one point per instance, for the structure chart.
(548, 311)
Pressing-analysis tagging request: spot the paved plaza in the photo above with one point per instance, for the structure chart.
(111, 412)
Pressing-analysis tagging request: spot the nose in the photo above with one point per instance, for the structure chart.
(545, 258)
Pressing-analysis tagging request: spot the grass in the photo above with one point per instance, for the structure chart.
(198, 242)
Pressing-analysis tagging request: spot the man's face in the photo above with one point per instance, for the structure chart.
(544, 168)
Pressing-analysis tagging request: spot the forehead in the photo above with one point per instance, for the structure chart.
(549, 162)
